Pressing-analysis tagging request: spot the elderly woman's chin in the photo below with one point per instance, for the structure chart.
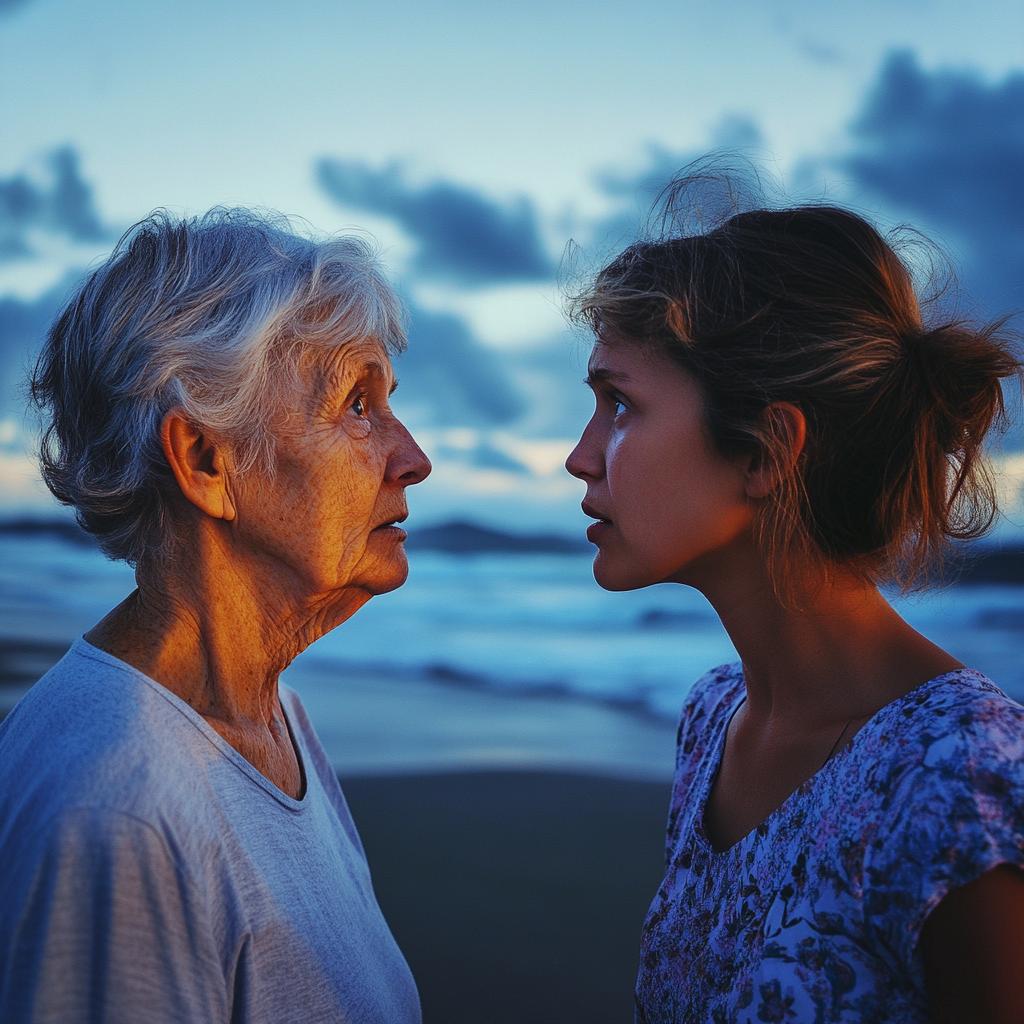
(384, 566)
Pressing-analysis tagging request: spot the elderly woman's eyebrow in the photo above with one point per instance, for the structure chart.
(350, 372)
(341, 375)
(374, 369)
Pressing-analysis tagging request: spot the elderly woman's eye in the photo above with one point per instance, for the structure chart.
(359, 406)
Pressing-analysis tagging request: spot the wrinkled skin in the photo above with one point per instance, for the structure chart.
(266, 562)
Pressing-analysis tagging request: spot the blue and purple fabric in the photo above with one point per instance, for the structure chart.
(815, 915)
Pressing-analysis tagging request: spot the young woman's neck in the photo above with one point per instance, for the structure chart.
(832, 650)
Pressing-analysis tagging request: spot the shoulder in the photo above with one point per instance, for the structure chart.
(712, 687)
(958, 730)
(309, 743)
(947, 756)
(96, 732)
(61, 869)
(938, 797)
(298, 717)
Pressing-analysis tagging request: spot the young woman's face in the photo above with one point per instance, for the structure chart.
(665, 501)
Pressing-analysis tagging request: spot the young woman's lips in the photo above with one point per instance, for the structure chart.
(595, 530)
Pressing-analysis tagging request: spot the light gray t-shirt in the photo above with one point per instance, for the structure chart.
(149, 873)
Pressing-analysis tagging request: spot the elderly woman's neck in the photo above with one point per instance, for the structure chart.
(218, 635)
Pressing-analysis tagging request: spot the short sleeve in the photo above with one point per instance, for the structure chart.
(953, 813)
(100, 924)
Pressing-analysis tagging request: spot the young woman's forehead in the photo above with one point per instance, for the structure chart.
(618, 362)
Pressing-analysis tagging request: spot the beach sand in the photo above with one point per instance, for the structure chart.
(517, 897)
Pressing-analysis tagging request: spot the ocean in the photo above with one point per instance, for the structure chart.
(497, 660)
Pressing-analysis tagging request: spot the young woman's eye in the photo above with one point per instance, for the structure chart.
(618, 406)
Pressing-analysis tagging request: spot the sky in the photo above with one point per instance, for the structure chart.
(473, 141)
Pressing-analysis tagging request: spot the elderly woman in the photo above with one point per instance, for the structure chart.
(175, 845)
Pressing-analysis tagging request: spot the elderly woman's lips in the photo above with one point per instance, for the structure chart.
(391, 528)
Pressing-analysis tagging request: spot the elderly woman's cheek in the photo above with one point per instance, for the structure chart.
(357, 427)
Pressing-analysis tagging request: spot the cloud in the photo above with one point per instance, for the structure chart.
(634, 193)
(23, 326)
(819, 52)
(62, 204)
(463, 236)
(71, 207)
(735, 141)
(448, 378)
(946, 147)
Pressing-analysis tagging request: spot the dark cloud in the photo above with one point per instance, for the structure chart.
(486, 456)
(634, 195)
(23, 326)
(63, 205)
(447, 377)
(451, 375)
(734, 148)
(463, 236)
(71, 206)
(21, 206)
(947, 148)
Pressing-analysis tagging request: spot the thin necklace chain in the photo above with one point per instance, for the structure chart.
(835, 746)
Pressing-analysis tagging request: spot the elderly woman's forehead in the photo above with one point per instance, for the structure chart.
(356, 360)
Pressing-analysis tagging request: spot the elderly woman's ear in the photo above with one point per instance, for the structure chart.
(200, 464)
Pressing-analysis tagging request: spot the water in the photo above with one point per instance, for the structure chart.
(522, 626)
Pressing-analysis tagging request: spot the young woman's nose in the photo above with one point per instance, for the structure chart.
(586, 460)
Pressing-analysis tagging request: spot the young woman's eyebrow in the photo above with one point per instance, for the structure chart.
(601, 375)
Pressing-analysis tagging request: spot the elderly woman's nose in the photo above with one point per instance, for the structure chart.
(408, 463)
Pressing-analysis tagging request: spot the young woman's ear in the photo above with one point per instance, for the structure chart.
(786, 430)
(200, 465)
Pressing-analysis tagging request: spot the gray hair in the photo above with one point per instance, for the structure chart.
(210, 315)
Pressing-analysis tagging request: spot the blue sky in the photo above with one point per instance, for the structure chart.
(473, 140)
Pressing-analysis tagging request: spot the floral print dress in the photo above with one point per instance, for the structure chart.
(815, 915)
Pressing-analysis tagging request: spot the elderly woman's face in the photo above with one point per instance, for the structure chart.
(343, 462)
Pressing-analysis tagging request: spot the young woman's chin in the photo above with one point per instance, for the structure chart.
(616, 571)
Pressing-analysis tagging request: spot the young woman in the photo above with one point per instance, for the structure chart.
(776, 427)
